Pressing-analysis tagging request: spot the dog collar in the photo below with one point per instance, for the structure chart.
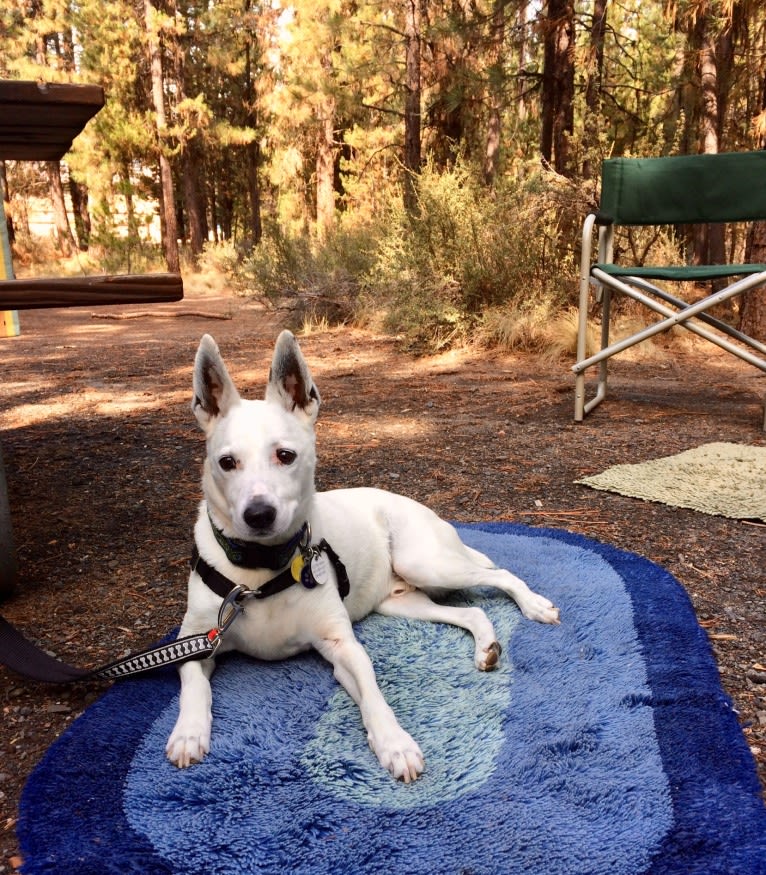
(247, 554)
(302, 568)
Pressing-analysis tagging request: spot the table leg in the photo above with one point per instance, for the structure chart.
(8, 567)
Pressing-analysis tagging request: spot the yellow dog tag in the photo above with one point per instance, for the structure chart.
(296, 567)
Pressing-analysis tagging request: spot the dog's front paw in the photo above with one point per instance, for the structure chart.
(188, 743)
(398, 753)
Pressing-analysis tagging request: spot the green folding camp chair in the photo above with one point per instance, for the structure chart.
(687, 189)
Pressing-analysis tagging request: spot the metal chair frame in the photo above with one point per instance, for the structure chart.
(639, 283)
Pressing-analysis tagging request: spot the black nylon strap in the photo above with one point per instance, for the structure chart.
(222, 586)
(25, 658)
(344, 586)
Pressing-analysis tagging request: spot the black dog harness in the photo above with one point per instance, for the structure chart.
(306, 564)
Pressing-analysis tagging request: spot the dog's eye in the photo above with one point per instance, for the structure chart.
(286, 457)
(227, 463)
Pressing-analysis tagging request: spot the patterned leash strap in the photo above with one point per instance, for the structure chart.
(25, 658)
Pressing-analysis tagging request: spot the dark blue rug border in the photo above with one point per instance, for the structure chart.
(707, 736)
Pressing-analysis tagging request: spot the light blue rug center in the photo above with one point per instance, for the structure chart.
(427, 674)
(551, 762)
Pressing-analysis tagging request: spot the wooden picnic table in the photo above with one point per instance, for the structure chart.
(38, 122)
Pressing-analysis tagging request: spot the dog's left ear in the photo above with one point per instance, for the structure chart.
(290, 382)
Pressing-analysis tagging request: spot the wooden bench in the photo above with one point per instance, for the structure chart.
(38, 122)
(90, 291)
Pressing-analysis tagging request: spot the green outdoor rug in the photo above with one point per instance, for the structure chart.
(721, 479)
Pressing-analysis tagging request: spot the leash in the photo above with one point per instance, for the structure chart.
(309, 567)
(25, 658)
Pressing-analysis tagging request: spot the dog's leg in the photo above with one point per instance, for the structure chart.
(189, 741)
(532, 605)
(395, 749)
(416, 605)
(459, 573)
(429, 555)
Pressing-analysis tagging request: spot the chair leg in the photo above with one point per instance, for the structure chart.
(582, 315)
(606, 315)
(581, 407)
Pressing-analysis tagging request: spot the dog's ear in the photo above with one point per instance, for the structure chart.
(214, 391)
(290, 382)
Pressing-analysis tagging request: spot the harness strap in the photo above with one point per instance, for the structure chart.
(222, 586)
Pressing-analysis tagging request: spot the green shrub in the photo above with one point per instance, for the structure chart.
(432, 277)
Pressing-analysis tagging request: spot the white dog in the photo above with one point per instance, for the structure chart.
(262, 526)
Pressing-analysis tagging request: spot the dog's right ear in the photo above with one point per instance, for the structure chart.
(214, 391)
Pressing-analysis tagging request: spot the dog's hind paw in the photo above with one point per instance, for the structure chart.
(537, 607)
(487, 659)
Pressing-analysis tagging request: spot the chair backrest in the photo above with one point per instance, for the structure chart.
(727, 187)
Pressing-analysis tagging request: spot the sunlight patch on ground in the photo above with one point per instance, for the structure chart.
(87, 403)
(371, 430)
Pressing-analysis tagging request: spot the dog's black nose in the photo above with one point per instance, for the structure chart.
(260, 515)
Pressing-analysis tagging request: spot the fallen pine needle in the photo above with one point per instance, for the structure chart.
(583, 512)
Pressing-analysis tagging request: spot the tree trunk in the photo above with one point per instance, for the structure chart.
(6, 196)
(325, 170)
(195, 225)
(66, 241)
(126, 189)
(79, 195)
(752, 314)
(195, 205)
(521, 26)
(709, 241)
(594, 73)
(412, 101)
(495, 85)
(558, 85)
(253, 151)
(213, 199)
(254, 192)
(170, 224)
(677, 114)
(753, 310)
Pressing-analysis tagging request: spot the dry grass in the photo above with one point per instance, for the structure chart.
(553, 333)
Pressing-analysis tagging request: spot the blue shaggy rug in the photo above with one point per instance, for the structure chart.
(604, 745)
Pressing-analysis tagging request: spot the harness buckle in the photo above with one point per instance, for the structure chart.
(304, 545)
(231, 607)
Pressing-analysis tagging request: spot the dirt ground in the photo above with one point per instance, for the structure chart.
(103, 458)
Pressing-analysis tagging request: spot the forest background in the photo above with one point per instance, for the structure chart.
(424, 166)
